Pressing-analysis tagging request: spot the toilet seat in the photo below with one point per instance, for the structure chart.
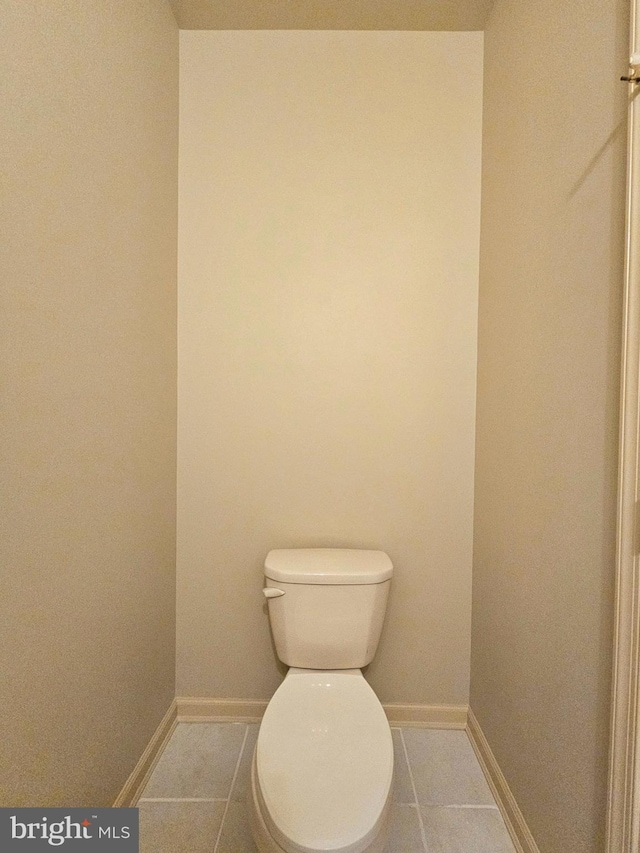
(323, 764)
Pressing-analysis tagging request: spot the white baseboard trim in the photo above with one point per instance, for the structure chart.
(198, 710)
(427, 716)
(520, 833)
(206, 710)
(140, 774)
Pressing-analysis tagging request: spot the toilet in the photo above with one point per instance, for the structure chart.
(322, 770)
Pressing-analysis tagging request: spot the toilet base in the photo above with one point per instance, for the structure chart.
(267, 844)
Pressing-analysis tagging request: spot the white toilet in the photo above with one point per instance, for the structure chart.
(322, 768)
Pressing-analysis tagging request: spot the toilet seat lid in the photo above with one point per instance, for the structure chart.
(324, 761)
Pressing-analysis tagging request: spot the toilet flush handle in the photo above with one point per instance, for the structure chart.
(272, 592)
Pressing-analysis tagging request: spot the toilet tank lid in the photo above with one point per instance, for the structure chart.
(328, 566)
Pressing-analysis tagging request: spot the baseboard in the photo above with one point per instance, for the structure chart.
(205, 710)
(198, 710)
(139, 777)
(514, 819)
(427, 716)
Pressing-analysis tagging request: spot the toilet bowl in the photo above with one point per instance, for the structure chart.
(322, 770)
(322, 767)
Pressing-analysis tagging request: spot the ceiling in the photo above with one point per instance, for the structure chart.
(331, 14)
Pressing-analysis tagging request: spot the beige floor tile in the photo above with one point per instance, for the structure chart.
(452, 830)
(242, 785)
(445, 769)
(404, 832)
(402, 787)
(236, 832)
(182, 827)
(199, 761)
(202, 758)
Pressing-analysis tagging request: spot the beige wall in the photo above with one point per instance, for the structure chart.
(314, 15)
(549, 328)
(329, 222)
(89, 116)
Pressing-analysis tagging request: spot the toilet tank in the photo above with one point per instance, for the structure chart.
(327, 605)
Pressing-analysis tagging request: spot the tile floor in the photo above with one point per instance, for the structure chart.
(196, 799)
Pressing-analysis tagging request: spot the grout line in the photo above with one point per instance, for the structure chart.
(415, 795)
(233, 782)
(461, 806)
(182, 800)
